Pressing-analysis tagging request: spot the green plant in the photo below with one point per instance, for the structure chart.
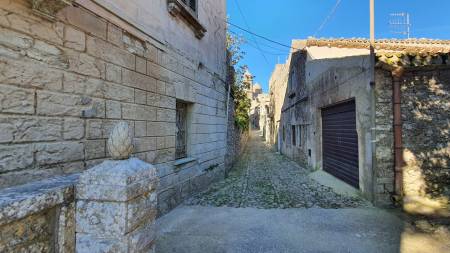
(242, 103)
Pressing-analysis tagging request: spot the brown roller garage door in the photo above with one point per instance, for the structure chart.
(340, 142)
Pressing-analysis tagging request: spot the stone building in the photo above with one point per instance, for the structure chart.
(264, 113)
(259, 108)
(71, 69)
(389, 139)
(277, 91)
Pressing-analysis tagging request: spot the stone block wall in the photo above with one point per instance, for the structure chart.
(425, 136)
(64, 84)
(426, 139)
(384, 153)
(278, 87)
(38, 217)
(236, 138)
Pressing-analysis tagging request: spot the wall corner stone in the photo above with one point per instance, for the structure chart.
(117, 207)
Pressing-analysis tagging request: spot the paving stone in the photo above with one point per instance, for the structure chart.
(263, 179)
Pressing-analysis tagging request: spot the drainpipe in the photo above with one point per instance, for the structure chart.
(372, 97)
(398, 142)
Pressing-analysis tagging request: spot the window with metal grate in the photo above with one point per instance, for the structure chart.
(192, 4)
(181, 134)
(294, 135)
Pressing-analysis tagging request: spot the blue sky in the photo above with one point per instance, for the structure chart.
(284, 20)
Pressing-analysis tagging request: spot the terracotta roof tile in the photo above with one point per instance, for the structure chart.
(407, 46)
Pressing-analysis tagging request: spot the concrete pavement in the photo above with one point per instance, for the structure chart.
(217, 229)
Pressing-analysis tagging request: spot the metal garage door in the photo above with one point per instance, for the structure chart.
(340, 142)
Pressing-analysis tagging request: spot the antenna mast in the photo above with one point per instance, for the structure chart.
(400, 23)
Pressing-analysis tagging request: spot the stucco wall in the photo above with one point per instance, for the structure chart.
(64, 84)
(317, 53)
(332, 81)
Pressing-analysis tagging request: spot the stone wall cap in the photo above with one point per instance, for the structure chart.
(21, 201)
(403, 45)
(119, 173)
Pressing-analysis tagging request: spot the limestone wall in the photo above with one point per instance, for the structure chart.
(384, 153)
(236, 138)
(38, 217)
(293, 110)
(277, 92)
(425, 110)
(426, 140)
(153, 19)
(64, 84)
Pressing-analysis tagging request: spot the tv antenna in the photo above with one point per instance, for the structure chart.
(400, 23)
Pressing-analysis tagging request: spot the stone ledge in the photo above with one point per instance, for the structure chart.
(184, 161)
(48, 8)
(21, 201)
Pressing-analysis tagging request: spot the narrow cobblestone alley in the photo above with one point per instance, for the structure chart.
(264, 179)
(270, 204)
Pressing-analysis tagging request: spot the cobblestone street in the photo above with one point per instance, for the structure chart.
(264, 179)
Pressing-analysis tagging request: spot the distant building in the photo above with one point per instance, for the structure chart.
(259, 109)
(389, 140)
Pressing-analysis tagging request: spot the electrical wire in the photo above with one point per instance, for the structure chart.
(248, 27)
(260, 36)
(327, 19)
(248, 42)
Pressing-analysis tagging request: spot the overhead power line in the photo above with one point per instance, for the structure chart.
(328, 18)
(260, 36)
(276, 50)
(248, 27)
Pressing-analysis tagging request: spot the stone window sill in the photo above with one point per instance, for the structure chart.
(178, 9)
(183, 161)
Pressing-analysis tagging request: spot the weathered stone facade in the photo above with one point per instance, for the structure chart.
(384, 174)
(426, 139)
(39, 217)
(236, 138)
(67, 77)
(259, 105)
(277, 89)
(65, 83)
(334, 74)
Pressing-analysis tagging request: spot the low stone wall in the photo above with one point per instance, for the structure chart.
(38, 217)
(236, 138)
(110, 207)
